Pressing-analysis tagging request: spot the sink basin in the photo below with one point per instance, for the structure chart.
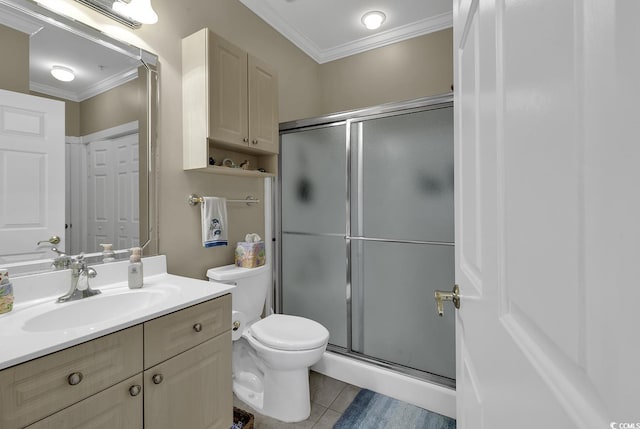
(96, 309)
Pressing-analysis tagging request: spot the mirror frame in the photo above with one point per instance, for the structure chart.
(148, 158)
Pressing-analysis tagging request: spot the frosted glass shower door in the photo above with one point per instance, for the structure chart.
(313, 215)
(402, 236)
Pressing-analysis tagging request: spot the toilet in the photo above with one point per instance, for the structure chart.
(272, 355)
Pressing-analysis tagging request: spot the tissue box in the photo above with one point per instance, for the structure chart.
(250, 255)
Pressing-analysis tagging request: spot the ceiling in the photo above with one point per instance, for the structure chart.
(327, 30)
(98, 68)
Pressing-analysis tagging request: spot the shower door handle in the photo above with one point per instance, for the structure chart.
(442, 296)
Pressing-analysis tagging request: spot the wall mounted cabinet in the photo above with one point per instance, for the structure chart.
(176, 374)
(230, 106)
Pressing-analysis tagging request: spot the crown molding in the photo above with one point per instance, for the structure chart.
(378, 40)
(415, 29)
(109, 83)
(53, 91)
(19, 21)
(100, 87)
(268, 15)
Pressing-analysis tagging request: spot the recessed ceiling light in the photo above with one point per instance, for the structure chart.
(373, 20)
(65, 74)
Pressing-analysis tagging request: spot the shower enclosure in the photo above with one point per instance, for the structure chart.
(366, 232)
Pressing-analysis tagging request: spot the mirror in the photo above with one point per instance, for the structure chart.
(104, 193)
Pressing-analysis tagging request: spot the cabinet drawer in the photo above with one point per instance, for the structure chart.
(174, 333)
(114, 408)
(36, 389)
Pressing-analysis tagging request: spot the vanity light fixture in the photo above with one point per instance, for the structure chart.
(64, 74)
(374, 19)
(137, 10)
(132, 13)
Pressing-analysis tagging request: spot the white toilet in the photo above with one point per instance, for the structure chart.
(271, 356)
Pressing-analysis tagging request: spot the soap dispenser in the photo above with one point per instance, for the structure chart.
(135, 268)
(108, 255)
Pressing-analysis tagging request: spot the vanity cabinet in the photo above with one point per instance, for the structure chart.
(173, 371)
(230, 106)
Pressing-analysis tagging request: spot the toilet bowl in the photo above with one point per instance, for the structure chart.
(272, 355)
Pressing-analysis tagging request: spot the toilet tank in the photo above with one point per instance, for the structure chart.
(251, 289)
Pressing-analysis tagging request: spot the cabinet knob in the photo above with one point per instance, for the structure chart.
(197, 327)
(254, 141)
(157, 378)
(135, 390)
(75, 378)
(244, 139)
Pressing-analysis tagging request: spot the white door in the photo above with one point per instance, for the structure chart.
(112, 193)
(547, 213)
(32, 175)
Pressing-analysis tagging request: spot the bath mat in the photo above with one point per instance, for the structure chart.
(370, 410)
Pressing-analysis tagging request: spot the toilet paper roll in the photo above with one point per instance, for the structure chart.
(238, 323)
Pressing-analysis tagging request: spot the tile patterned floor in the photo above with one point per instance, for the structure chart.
(329, 399)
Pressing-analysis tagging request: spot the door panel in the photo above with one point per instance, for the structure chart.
(127, 231)
(228, 91)
(100, 195)
(406, 177)
(314, 183)
(544, 171)
(195, 389)
(263, 105)
(394, 287)
(32, 162)
(314, 278)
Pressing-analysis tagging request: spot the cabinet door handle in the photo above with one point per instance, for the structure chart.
(157, 378)
(135, 390)
(244, 139)
(75, 378)
(197, 327)
(254, 141)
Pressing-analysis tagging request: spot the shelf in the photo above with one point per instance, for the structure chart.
(228, 171)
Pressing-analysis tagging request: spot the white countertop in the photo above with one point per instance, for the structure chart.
(36, 294)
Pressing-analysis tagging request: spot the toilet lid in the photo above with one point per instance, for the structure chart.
(284, 332)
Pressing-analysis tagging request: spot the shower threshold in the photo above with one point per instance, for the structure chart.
(402, 369)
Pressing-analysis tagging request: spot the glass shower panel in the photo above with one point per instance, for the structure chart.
(314, 281)
(313, 223)
(398, 321)
(366, 263)
(313, 175)
(405, 164)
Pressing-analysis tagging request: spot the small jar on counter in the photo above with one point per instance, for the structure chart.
(6, 292)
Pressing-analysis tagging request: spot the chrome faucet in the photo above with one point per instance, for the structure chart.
(62, 261)
(80, 275)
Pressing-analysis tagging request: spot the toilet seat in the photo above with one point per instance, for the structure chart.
(284, 332)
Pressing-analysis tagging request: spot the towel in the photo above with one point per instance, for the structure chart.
(214, 221)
